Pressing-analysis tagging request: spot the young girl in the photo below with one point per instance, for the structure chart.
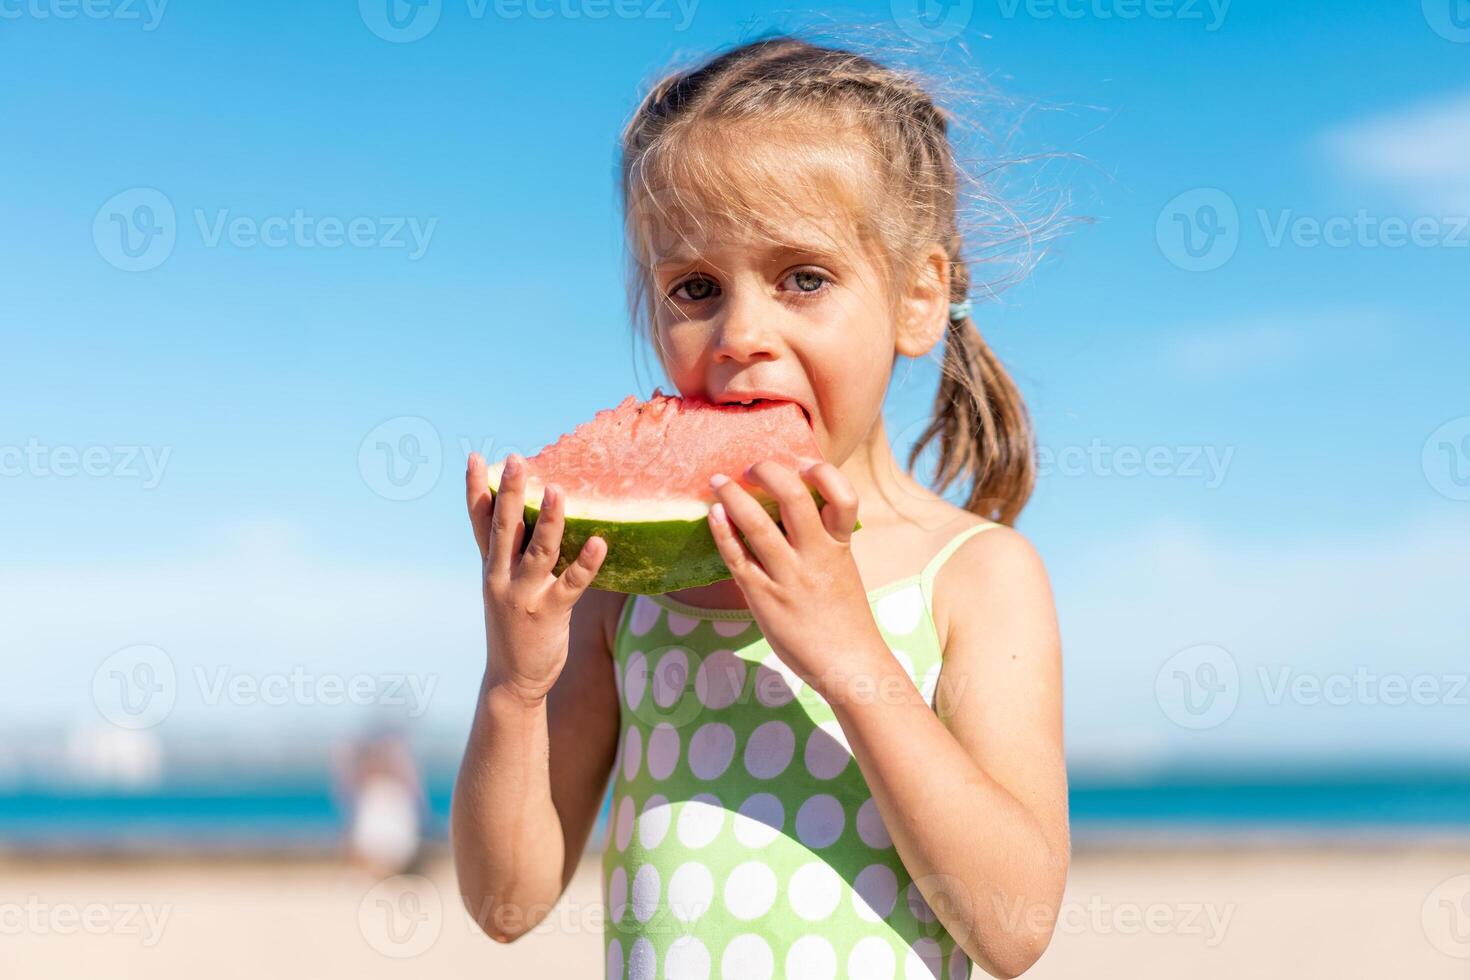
(799, 789)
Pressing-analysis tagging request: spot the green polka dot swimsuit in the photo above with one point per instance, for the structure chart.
(743, 841)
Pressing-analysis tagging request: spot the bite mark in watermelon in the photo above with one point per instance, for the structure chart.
(638, 477)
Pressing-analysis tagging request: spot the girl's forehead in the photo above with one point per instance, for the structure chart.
(751, 189)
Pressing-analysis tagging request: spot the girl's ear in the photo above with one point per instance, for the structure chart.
(923, 308)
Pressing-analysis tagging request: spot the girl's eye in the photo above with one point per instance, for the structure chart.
(805, 281)
(696, 288)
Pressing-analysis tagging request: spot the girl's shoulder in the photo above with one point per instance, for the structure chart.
(979, 565)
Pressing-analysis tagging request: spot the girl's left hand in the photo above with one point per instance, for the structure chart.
(803, 586)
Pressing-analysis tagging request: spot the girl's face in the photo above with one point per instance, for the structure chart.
(795, 311)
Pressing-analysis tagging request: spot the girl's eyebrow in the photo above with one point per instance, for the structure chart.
(769, 250)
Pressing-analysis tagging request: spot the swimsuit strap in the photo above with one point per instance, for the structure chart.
(931, 570)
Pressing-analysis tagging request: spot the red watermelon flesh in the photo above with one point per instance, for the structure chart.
(668, 447)
(637, 476)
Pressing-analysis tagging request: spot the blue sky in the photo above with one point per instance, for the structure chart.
(1299, 514)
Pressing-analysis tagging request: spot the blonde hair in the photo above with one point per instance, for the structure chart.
(898, 158)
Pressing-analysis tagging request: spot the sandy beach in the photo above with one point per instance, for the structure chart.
(1257, 912)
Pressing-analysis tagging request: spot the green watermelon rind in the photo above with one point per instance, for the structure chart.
(649, 557)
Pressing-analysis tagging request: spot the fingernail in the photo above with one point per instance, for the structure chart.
(718, 480)
(717, 513)
(549, 497)
(512, 465)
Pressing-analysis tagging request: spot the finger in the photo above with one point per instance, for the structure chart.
(798, 511)
(545, 546)
(840, 507)
(507, 519)
(578, 576)
(763, 537)
(737, 556)
(478, 501)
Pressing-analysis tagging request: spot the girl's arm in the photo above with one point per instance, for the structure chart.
(974, 793)
(545, 730)
(532, 779)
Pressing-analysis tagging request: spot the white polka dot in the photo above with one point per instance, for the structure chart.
(747, 957)
(731, 627)
(918, 905)
(636, 681)
(663, 750)
(720, 679)
(687, 959)
(750, 890)
(931, 682)
(925, 960)
(769, 749)
(691, 889)
(617, 895)
(871, 959)
(632, 752)
(653, 824)
(775, 683)
(959, 965)
(642, 961)
(759, 820)
(870, 826)
(670, 677)
(624, 831)
(874, 891)
(811, 958)
(814, 891)
(680, 624)
(899, 612)
(614, 960)
(644, 617)
(700, 820)
(645, 893)
(710, 749)
(819, 821)
(826, 751)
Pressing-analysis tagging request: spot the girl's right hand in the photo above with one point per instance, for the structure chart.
(528, 609)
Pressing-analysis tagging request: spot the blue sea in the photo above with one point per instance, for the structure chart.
(303, 814)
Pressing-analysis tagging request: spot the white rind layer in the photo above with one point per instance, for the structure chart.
(611, 509)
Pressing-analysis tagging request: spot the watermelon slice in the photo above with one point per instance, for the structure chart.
(638, 477)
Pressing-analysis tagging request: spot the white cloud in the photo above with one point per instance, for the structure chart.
(1264, 342)
(1421, 153)
(1376, 603)
(258, 612)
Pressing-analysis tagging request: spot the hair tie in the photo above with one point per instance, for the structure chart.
(959, 311)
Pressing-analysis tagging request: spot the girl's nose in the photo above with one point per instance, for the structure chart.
(743, 334)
